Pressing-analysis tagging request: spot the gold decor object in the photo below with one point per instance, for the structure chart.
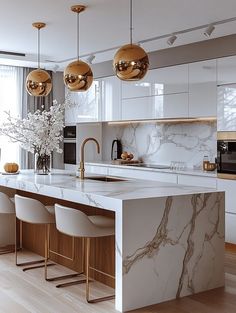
(38, 82)
(131, 61)
(210, 166)
(11, 167)
(78, 75)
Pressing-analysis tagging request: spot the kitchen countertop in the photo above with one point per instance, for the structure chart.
(187, 171)
(63, 184)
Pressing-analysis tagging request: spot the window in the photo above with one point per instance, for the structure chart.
(10, 100)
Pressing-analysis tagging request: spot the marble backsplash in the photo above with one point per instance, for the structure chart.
(162, 143)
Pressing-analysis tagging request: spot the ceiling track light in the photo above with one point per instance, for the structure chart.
(131, 61)
(38, 82)
(90, 58)
(171, 40)
(78, 75)
(209, 30)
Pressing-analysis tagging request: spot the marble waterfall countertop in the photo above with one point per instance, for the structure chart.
(63, 184)
(169, 237)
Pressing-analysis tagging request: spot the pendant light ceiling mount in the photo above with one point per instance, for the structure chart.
(131, 61)
(78, 75)
(38, 82)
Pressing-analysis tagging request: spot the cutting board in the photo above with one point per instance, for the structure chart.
(121, 161)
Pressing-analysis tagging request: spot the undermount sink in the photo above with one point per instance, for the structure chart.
(106, 178)
(150, 165)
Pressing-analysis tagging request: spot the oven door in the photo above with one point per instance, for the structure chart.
(226, 156)
(69, 151)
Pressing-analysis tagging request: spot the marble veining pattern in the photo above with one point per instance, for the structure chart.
(163, 143)
(194, 229)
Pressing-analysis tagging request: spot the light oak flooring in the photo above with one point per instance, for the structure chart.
(28, 292)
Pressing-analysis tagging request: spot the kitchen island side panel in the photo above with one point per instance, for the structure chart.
(173, 247)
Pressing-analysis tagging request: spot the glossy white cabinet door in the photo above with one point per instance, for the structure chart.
(164, 106)
(168, 80)
(226, 108)
(85, 106)
(138, 108)
(202, 89)
(229, 186)
(111, 98)
(226, 69)
(230, 229)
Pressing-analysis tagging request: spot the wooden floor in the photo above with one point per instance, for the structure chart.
(28, 292)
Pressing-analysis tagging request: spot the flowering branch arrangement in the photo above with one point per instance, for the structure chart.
(40, 132)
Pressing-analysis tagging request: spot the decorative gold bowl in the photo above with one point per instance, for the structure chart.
(210, 166)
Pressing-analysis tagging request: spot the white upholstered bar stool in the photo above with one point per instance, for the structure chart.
(75, 223)
(34, 212)
(7, 206)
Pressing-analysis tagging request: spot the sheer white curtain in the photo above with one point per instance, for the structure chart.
(11, 79)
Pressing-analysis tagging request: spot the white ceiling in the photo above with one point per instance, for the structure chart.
(104, 24)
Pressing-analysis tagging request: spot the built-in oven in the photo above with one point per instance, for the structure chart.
(226, 155)
(70, 145)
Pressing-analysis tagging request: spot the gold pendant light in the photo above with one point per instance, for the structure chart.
(130, 61)
(38, 82)
(78, 75)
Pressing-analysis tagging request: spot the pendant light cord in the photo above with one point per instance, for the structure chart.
(78, 35)
(38, 47)
(131, 22)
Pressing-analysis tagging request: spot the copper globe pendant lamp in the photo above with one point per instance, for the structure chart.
(38, 82)
(130, 61)
(78, 75)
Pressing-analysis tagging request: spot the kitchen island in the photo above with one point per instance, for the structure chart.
(169, 239)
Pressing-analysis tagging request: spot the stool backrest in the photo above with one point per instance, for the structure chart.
(32, 211)
(74, 222)
(6, 205)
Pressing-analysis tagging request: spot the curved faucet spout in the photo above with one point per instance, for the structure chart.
(82, 169)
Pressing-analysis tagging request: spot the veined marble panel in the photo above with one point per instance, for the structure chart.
(181, 252)
(163, 143)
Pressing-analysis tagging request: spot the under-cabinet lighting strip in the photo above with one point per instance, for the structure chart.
(165, 120)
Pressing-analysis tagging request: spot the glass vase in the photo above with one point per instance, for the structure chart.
(42, 164)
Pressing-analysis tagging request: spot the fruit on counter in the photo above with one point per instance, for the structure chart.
(127, 156)
(11, 167)
(124, 155)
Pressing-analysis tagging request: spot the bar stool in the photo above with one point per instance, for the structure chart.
(6, 207)
(33, 211)
(75, 223)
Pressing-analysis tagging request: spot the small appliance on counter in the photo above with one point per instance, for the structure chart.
(226, 155)
(116, 149)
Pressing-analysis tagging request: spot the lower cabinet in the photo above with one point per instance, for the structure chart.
(229, 186)
(230, 228)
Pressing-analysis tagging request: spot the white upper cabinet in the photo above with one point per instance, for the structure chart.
(226, 108)
(202, 89)
(168, 80)
(85, 106)
(111, 98)
(226, 94)
(163, 106)
(226, 69)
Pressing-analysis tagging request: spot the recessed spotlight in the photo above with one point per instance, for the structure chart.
(171, 40)
(208, 31)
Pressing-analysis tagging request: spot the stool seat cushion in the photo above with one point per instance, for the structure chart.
(51, 209)
(6, 205)
(102, 221)
(76, 223)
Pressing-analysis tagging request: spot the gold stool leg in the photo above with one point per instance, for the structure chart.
(16, 256)
(87, 277)
(75, 282)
